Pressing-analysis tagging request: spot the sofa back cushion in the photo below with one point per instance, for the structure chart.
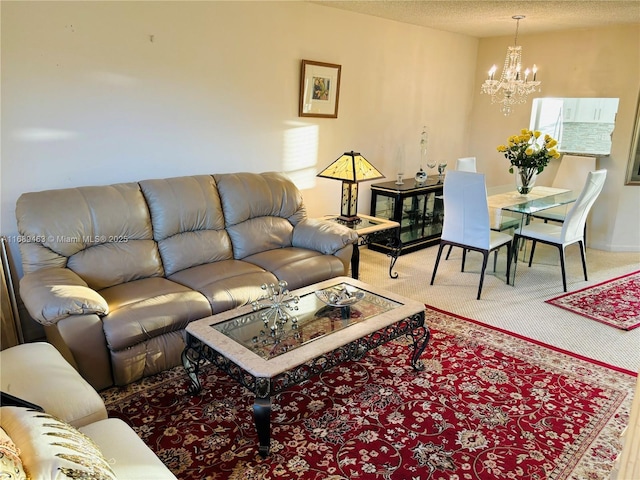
(260, 210)
(102, 233)
(187, 219)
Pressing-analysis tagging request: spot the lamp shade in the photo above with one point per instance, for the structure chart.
(351, 167)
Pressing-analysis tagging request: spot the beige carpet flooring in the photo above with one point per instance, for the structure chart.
(520, 308)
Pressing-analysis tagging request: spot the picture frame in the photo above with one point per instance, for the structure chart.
(319, 89)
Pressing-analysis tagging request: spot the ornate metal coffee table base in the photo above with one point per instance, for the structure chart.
(197, 353)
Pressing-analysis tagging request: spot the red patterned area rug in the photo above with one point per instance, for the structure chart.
(614, 302)
(488, 405)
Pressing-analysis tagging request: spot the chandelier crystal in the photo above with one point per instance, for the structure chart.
(513, 86)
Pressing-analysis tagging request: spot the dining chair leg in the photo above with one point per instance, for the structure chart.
(533, 249)
(509, 253)
(485, 257)
(516, 242)
(564, 273)
(464, 258)
(584, 258)
(449, 252)
(435, 268)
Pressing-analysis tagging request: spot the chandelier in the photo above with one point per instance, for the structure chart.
(513, 86)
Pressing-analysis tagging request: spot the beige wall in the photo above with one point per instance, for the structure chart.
(600, 62)
(90, 97)
(103, 92)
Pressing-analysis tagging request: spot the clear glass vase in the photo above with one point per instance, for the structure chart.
(525, 179)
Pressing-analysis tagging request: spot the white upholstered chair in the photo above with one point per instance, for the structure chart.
(572, 229)
(463, 164)
(572, 173)
(466, 221)
(466, 164)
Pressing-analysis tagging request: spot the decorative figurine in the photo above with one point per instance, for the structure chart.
(279, 299)
(421, 175)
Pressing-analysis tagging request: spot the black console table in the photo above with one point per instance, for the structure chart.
(418, 208)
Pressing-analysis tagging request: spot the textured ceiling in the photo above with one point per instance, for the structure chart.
(492, 19)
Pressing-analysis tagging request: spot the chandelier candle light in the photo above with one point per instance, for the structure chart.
(513, 86)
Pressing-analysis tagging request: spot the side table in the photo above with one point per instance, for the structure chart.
(373, 229)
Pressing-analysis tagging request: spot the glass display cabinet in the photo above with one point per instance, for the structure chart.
(418, 208)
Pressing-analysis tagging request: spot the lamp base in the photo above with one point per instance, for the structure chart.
(348, 220)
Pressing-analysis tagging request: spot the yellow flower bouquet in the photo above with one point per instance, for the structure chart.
(529, 155)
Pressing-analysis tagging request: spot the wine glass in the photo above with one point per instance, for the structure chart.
(441, 167)
(431, 164)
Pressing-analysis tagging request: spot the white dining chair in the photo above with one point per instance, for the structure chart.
(466, 164)
(466, 221)
(463, 164)
(572, 229)
(571, 174)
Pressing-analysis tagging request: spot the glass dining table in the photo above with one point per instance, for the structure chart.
(508, 209)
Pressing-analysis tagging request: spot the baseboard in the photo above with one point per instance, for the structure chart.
(607, 247)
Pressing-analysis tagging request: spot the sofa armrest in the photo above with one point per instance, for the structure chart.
(322, 235)
(50, 294)
(38, 374)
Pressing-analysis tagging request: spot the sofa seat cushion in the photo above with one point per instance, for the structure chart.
(73, 399)
(51, 448)
(299, 267)
(127, 454)
(226, 284)
(147, 308)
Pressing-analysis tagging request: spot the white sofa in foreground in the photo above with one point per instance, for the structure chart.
(72, 437)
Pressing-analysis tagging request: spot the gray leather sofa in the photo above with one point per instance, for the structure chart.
(116, 272)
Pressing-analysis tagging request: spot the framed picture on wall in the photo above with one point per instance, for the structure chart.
(319, 89)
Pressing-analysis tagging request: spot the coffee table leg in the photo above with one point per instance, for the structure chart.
(420, 336)
(395, 244)
(191, 359)
(355, 261)
(262, 415)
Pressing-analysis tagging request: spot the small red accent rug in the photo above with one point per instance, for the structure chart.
(488, 405)
(614, 302)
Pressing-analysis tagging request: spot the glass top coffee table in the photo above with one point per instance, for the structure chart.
(290, 338)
